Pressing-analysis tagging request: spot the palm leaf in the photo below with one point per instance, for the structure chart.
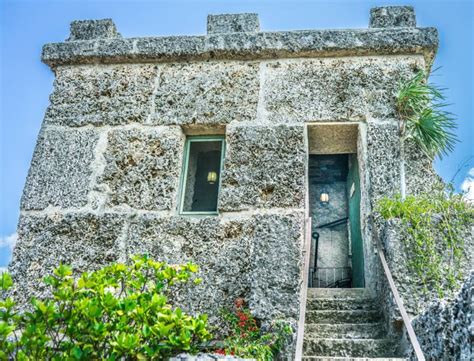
(421, 108)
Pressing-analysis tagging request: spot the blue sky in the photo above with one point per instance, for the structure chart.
(26, 83)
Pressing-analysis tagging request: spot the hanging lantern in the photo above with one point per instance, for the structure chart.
(212, 177)
(324, 198)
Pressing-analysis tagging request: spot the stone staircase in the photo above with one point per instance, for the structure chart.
(345, 324)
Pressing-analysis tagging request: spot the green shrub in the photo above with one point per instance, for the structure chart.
(435, 224)
(247, 339)
(118, 312)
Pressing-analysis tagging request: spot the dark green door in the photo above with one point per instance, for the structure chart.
(353, 189)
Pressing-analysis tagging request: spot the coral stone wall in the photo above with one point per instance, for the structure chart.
(409, 286)
(441, 324)
(105, 173)
(445, 328)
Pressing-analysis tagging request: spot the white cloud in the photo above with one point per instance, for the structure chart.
(467, 186)
(9, 241)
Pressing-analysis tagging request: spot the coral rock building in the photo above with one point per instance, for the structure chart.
(257, 155)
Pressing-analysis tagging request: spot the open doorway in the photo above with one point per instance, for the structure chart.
(337, 257)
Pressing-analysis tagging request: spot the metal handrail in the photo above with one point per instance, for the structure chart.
(315, 235)
(304, 291)
(329, 282)
(406, 320)
(333, 223)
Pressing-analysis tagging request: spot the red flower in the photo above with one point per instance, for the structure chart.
(242, 316)
(220, 351)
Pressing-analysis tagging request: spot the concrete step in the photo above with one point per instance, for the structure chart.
(346, 330)
(352, 303)
(342, 316)
(340, 293)
(349, 347)
(326, 358)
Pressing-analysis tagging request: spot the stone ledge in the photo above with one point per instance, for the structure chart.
(246, 46)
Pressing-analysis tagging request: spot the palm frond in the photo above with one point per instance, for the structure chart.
(432, 130)
(421, 108)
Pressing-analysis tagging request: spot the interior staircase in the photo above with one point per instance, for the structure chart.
(345, 324)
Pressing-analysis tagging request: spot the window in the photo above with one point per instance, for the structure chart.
(201, 176)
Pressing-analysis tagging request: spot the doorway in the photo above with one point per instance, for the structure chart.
(337, 255)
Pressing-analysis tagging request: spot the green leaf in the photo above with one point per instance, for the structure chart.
(146, 330)
(6, 281)
(423, 116)
(76, 352)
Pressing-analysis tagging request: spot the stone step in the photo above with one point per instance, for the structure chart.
(345, 330)
(342, 316)
(340, 293)
(315, 303)
(349, 347)
(326, 358)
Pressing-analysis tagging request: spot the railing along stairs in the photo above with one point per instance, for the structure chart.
(327, 277)
(406, 320)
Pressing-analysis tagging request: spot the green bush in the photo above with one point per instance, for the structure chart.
(435, 224)
(118, 312)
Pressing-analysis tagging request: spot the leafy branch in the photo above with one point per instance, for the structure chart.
(434, 225)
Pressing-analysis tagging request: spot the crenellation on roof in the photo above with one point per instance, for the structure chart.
(392, 31)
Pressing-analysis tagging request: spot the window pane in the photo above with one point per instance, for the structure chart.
(202, 177)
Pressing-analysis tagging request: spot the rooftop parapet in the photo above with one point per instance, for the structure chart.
(93, 29)
(392, 17)
(392, 31)
(232, 23)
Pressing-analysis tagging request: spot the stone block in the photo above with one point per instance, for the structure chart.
(445, 328)
(168, 48)
(254, 257)
(61, 169)
(142, 167)
(115, 47)
(264, 167)
(101, 95)
(69, 51)
(383, 157)
(93, 29)
(84, 241)
(399, 256)
(392, 17)
(345, 89)
(232, 23)
(384, 163)
(220, 247)
(206, 93)
(277, 266)
(420, 174)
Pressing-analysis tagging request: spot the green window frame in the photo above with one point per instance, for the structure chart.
(184, 173)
